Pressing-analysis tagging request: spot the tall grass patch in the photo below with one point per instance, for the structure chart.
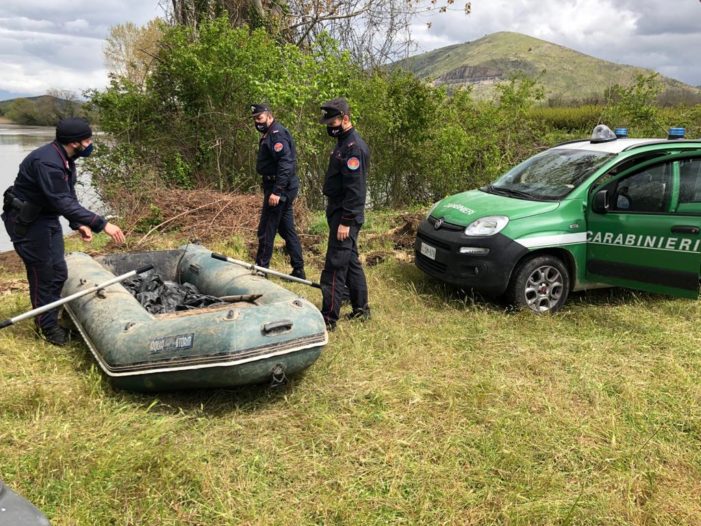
(445, 408)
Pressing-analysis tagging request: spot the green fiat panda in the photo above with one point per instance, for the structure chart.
(609, 211)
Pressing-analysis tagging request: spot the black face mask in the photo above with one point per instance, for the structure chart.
(262, 127)
(334, 131)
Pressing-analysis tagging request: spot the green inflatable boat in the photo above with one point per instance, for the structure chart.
(261, 333)
(15, 510)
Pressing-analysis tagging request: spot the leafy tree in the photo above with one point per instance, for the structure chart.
(193, 117)
(636, 107)
(130, 50)
(190, 121)
(373, 31)
(46, 110)
(62, 103)
(23, 111)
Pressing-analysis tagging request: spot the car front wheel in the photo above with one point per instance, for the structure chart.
(541, 284)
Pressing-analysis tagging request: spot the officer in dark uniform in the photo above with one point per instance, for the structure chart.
(277, 163)
(345, 188)
(44, 190)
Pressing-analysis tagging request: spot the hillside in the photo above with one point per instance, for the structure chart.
(50, 99)
(564, 73)
(42, 110)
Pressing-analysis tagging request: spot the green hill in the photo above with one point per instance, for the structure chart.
(565, 74)
(43, 110)
(50, 99)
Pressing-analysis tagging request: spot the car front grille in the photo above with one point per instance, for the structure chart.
(429, 265)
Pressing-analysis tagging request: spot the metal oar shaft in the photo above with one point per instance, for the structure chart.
(251, 266)
(76, 295)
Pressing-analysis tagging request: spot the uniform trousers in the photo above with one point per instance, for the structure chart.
(42, 251)
(342, 269)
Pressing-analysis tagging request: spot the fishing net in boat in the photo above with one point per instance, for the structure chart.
(160, 296)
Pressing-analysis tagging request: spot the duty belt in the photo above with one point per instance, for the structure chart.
(27, 212)
(10, 202)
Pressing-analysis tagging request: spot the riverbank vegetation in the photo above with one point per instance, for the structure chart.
(187, 123)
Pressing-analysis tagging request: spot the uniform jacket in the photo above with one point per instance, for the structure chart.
(277, 160)
(47, 178)
(346, 178)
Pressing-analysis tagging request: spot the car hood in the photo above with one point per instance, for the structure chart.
(462, 209)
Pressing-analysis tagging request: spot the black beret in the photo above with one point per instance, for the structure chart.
(334, 108)
(72, 129)
(257, 109)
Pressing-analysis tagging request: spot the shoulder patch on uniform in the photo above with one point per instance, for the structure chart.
(278, 146)
(275, 131)
(353, 163)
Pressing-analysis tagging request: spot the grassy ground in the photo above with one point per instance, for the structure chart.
(444, 409)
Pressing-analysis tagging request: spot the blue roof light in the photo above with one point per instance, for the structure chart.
(621, 132)
(676, 133)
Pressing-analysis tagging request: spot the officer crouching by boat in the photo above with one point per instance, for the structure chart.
(345, 188)
(44, 190)
(277, 164)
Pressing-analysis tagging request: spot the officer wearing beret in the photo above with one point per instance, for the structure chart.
(277, 164)
(344, 188)
(44, 190)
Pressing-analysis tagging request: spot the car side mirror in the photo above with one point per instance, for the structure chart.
(600, 202)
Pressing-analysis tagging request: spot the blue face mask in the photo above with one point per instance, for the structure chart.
(85, 152)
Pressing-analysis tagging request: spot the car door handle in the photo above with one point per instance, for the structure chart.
(685, 229)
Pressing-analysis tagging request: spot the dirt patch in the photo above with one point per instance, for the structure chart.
(311, 243)
(200, 214)
(375, 257)
(10, 286)
(404, 235)
(10, 262)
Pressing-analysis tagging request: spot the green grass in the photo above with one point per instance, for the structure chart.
(444, 409)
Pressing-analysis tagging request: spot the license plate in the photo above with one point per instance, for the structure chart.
(428, 251)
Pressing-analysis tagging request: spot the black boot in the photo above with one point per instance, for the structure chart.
(55, 335)
(359, 314)
(298, 273)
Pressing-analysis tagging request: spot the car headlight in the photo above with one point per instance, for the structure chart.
(487, 226)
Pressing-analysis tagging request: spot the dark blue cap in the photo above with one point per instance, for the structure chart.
(334, 108)
(257, 109)
(72, 129)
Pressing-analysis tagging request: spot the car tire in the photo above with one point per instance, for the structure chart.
(540, 284)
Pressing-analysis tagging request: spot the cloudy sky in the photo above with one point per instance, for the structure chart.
(46, 44)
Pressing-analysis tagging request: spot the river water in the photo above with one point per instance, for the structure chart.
(15, 143)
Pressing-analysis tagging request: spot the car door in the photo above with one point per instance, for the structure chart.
(644, 227)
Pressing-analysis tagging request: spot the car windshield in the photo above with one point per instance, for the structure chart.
(549, 175)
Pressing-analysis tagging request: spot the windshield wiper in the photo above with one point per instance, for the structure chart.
(509, 192)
